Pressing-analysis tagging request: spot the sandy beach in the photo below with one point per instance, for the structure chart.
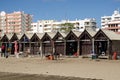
(75, 67)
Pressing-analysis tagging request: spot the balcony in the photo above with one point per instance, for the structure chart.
(113, 27)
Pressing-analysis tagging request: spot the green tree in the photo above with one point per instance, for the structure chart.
(66, 27)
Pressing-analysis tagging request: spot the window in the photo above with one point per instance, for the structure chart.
(81, 27)
(45, 25)
(77, 27)
(116, 25)
(40, 25)
(86, 23)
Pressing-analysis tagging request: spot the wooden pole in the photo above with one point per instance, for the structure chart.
(41, 52)
(30, 46)
(78, 48)
(64, 47)
(109, 50)
(93, 47)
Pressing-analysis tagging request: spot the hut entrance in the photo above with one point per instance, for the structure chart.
(47, 48)
(59, 43)
(24, 47)
(101, 43)
(85, 43)
(35, 45)
(71, 43)
(71, 48)
(12, 48)
(85, 47)
(59, 47)
(35, 48)
(47, 45)
(101, 47)
(12, 40)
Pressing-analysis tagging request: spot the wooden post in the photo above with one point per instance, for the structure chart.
(64, 47)
(24, 48)
(41, 52)
(19, 46)
(53, 46)
(30, 47)
(93, 47)
(109, 48)
(78, 48)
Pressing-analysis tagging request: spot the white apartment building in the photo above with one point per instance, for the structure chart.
(111, 22)
(42, 26)
(2, 22)
(52, 26)
(16, 22)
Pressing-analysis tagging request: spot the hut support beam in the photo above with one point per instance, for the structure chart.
(53, 45)
(24, 47)
(78, 46)
(93, 46)
(30, 47)
(41, 52)
(19, 47)
(64, 47)
(109, 50)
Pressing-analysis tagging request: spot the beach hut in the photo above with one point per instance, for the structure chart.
(39, 37)
(86, 41)
(59, 43)
(4, 42)
(47, 43)
(25, 42)
(106, 43)
(72, 42)
(35, 43)
(12, 39)
(19, 37)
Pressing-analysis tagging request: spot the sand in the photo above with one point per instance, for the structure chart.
(75, 67)
(21, 76)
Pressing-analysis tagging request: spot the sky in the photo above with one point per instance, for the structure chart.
(62, 9)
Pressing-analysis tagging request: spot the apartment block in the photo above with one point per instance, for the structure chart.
(42, 26)
(16, 22)
(111, 22)
(2, 22)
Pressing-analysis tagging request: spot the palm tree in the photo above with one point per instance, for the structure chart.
(66, 27)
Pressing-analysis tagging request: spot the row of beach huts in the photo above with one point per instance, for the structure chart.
(102, 42)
